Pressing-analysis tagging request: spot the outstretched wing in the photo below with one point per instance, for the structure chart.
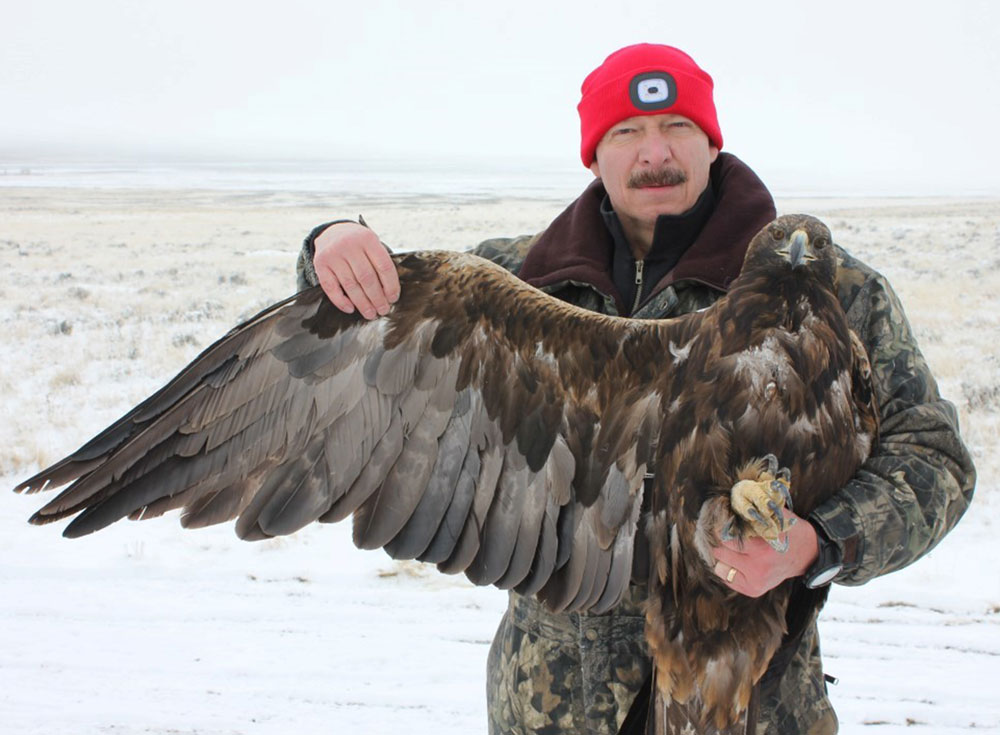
(481, 426)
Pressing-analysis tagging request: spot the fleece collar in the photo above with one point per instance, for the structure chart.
(578, 246)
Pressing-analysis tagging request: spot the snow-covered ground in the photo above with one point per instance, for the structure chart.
(144, 628)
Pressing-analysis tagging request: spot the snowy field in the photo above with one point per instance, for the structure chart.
(143, 628)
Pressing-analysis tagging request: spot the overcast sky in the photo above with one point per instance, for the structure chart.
(872, 92)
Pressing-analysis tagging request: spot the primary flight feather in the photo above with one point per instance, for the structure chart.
(493, 430)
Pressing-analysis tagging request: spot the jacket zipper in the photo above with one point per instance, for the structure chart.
(638, 286)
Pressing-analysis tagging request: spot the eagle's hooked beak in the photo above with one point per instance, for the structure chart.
(799, 252)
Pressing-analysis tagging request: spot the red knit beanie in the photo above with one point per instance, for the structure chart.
(645, 79)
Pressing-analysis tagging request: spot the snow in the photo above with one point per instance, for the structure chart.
(145, 630)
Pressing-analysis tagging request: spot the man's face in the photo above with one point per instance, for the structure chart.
(653, 165)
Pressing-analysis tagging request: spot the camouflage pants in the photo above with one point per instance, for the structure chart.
(552, 674)
(798, 704)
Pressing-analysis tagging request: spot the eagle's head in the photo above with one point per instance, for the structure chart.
(795, 242)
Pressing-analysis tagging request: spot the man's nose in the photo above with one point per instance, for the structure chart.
(655, 149)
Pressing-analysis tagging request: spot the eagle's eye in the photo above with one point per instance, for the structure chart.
(820, 242)
(777, 233)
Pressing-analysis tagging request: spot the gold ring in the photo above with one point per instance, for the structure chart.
(732, 574)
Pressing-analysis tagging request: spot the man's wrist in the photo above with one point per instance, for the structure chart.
(827, 563)
(803, 545)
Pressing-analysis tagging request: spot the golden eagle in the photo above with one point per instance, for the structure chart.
(490, 429)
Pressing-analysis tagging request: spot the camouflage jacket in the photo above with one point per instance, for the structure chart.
(905, 498)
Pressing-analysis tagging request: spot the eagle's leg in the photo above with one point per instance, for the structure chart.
(759, 497)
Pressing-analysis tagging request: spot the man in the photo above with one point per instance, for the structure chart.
(660, 232)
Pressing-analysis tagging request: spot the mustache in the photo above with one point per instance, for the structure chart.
(660, 177)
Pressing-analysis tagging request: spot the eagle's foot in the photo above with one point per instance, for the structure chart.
(759, 498)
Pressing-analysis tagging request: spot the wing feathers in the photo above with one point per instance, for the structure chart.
(491, 463)
(351, 443)
(577, 540)
(372, 475)
(503, 521)
(385, 514)
(544, 563)
(456, 430)
(217, 506)
(415, 538)
(294, 494)
(528, 533)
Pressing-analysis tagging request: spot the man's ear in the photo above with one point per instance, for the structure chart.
(597, 169)
(713, 153)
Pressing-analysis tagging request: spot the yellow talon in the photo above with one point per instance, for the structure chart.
(759, 498)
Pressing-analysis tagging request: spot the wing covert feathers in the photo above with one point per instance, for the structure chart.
(481, 426)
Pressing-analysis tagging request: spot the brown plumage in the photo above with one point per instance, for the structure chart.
(492, 430)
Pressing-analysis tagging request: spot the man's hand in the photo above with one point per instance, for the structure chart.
(355, 270)
(751, 567)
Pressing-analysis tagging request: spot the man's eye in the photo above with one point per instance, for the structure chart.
(623, 131)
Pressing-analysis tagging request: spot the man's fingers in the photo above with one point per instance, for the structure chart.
(726, 572)
(363, 285)
(385, 269)
(354, 291)
(331, 287)
(759, 567)
(728, 554)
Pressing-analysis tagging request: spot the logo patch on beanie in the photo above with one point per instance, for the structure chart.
(652, 90)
